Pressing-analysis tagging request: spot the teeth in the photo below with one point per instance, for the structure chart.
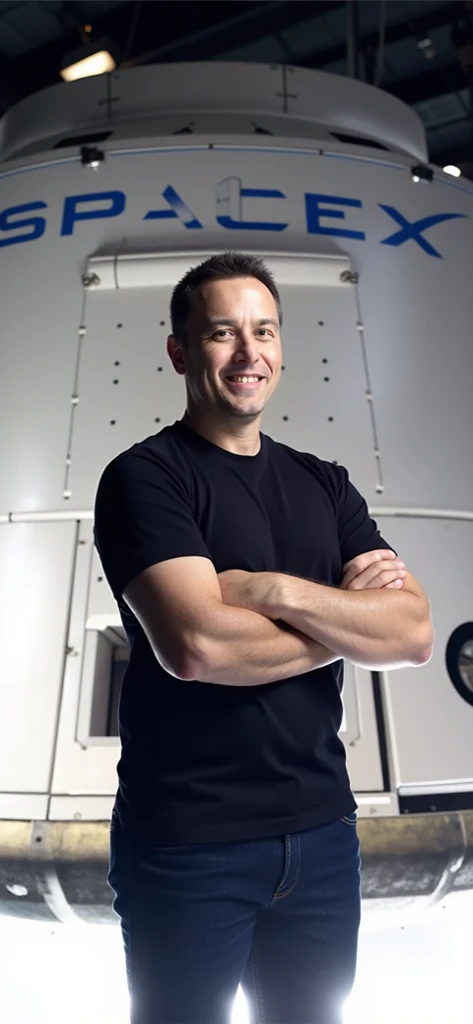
(244, 380)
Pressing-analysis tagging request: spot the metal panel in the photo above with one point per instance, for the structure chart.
(360, 734)
(418, 329)
(127, 381)
(430, 726)
(125, 342)
(23, 807)
(309, 412)
(36, 562)
(87, 808)
(164, 269)
(83, 765)
(39, 352)
(102, 608)
(227, 88)
(381, 805)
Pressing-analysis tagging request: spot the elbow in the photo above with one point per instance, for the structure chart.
(192, 663)
(423, 657)
(206, 663)
(193, 657)
(189, 670)
(178, 662)
(424, 646)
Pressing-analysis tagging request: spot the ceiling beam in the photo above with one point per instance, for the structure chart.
(406, 29)
(209, 29)
(437, 82)
(263, 21)
(459, 155)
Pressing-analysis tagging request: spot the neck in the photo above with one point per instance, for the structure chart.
(239, 438)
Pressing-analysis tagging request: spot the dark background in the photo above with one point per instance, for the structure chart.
(425, 57)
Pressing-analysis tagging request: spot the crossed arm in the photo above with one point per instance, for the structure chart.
(374, 628)
(246, 629)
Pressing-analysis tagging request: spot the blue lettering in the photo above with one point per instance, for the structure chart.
(230, 197)
(314, 211)
(38, 224)
(178, 208)
(72, 214)
(229, 206)
(414, 230)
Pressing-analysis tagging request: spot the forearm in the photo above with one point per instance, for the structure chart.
(244, 648)
(372, 628)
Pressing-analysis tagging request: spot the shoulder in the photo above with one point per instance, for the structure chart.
(331, 476)
(157, 456)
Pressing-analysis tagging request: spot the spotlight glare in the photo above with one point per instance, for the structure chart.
(421, 172)
(89, 59)
(97, 64)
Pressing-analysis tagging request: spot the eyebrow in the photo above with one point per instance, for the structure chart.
(215, 321)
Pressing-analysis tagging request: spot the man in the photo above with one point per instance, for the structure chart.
(234, 850)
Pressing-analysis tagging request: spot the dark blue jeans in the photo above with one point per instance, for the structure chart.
(280, 916)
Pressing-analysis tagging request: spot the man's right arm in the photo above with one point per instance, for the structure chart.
(194, 635)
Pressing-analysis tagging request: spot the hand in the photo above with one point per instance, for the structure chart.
(374, 570)
(251, 590)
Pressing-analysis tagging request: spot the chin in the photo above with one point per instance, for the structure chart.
(249, 411)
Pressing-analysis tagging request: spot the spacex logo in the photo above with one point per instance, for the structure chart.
(238, 207)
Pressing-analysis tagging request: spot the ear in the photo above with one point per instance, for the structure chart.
(177, 355)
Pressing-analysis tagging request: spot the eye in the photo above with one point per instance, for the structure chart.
(222, 332)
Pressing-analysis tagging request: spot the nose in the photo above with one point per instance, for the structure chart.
(246, 347)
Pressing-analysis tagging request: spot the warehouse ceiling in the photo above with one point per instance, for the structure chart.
(418, 50)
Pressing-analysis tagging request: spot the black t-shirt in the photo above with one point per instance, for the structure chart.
(202, 762)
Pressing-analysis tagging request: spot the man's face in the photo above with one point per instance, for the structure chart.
(233, 331)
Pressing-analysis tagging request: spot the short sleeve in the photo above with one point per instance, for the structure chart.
(357, 532)
(142, 516)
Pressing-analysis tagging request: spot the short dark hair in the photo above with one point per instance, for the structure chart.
(223, 265)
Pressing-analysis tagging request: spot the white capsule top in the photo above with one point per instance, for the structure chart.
(215, 98)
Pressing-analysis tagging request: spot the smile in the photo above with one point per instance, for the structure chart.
(245, 382)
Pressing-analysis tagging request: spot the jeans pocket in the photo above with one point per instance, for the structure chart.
(350, 819)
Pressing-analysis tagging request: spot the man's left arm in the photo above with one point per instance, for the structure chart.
(374, 629)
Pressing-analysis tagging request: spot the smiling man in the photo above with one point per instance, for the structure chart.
(244, 571)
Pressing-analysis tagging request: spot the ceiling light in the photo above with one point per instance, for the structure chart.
(425, 45)
(454, 171)
(89, 59)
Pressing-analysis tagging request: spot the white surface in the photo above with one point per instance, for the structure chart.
(36, 560)
(232, 92)
(158, 270)
(431, 726)
(418, 972)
